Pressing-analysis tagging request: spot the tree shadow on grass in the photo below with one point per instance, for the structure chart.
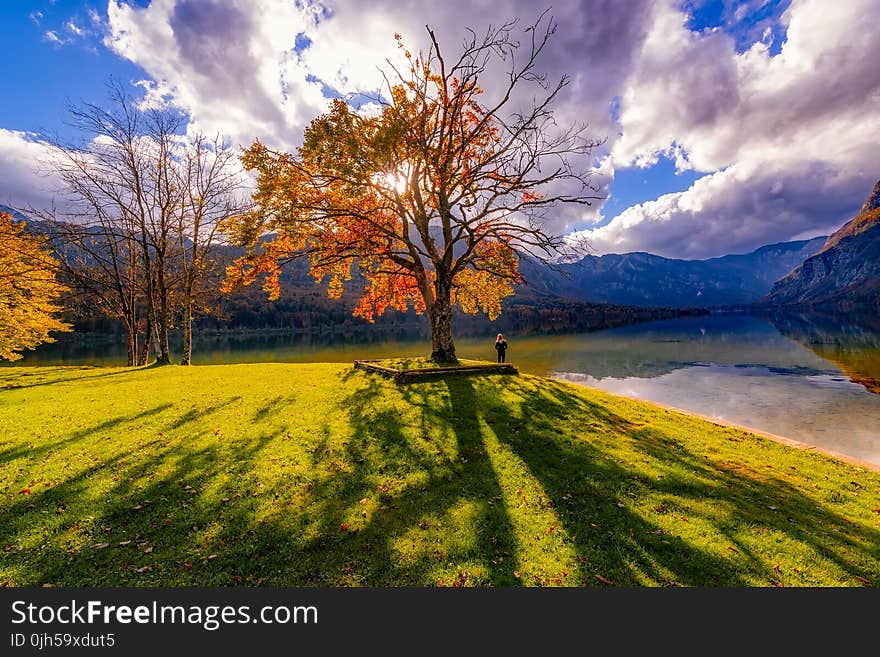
(50, 380)
(415, 493)
(403, 503)
(152, 525)
(200, 413)
(567, 443)
(48, 447)
(266, 409)
(768, 502)
(414, 484)
(596, 492)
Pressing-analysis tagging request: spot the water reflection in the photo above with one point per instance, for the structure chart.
(852, 342)
(760, 372)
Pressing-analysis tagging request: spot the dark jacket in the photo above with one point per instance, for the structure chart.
(501, 346)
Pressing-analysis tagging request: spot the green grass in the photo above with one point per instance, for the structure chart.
(292, 474)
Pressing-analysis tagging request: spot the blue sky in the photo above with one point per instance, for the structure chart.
(43, 75)
(58, 53)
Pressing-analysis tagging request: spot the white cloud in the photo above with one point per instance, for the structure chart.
(804, 122)
(230, 65)
(25, 180)
(740, 208)
(75, 29)
(52, 37)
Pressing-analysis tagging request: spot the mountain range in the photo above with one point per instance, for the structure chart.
(845, 271)
(644, 279)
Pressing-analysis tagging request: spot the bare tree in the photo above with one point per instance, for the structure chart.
(212, 182)
(140, 206)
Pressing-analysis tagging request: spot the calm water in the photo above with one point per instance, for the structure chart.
(802, 377)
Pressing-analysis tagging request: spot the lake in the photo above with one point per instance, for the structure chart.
(809, 378)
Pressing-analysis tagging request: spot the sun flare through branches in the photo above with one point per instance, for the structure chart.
(436, 197)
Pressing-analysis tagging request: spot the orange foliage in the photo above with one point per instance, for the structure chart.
(378, 193)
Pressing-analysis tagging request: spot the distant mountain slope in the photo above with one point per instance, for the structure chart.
(845, 271)
(16, 215)
(643, 279)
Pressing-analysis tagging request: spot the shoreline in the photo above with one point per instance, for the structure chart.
(784, 440)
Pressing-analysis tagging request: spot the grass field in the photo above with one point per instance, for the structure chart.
(292, 474)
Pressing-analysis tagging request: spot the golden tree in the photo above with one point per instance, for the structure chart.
(435, 198)
(29, 291)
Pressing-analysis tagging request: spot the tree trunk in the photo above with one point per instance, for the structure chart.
(163, 356)
(160, 321)
(154, 323)
(440, 314)
(187, 333)
(144, 357)
(132, 340)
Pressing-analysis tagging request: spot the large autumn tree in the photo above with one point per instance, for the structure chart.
(29, 291)
(436, 196)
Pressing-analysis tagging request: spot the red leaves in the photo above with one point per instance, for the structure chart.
(390, 286)
(24, 491)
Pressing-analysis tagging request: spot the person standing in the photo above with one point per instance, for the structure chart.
(501, 348)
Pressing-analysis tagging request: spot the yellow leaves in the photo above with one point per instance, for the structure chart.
(29, 291)
(480, 290)
(492, 279)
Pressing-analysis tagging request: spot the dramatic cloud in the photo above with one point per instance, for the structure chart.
(264, 69)
(231, 65)
(23, 175)
(740, 208)
(779, 108)
(793, 137)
